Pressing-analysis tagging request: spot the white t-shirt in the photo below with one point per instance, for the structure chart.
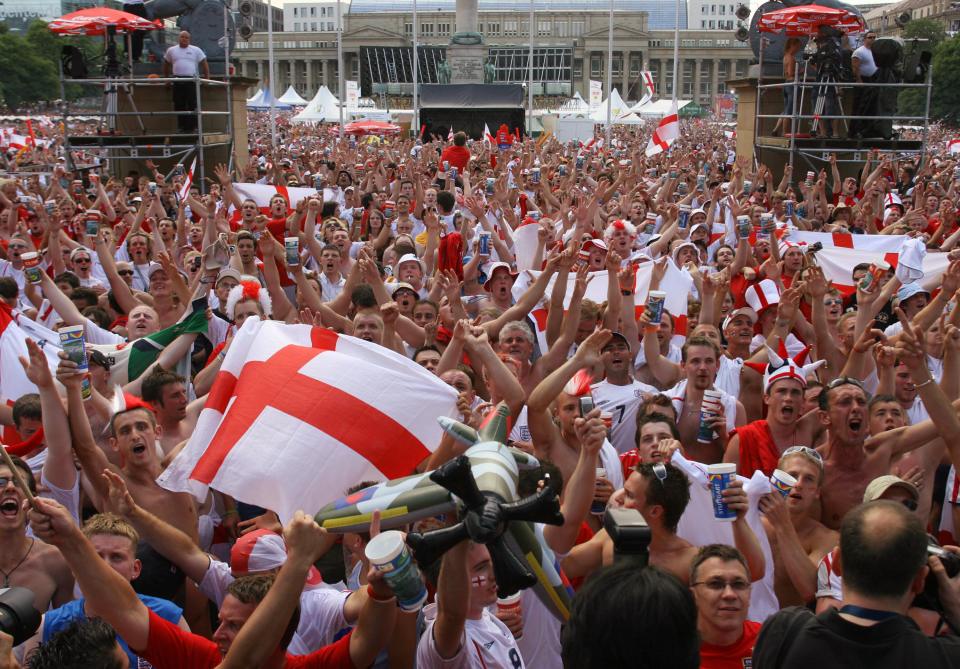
(623, 402)
(540, 643)
(699, 527)
(185, 60)
(321, 609)
(486, 644)
(728, 376)
(868, 67)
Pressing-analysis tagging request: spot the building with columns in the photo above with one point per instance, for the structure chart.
(570, 48)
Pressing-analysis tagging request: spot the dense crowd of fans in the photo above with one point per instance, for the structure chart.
(681, 291)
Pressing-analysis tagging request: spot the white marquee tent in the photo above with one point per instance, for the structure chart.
(291, 97)
(323, 108)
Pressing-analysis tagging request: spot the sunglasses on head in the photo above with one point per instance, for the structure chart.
(805, 451)
(844, 380)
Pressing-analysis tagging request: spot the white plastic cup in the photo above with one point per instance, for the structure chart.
(388, 554)
(720, 475)
(512, 602)
(655, 303)
(782, 482)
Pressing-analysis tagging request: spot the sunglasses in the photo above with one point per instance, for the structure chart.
(911, 504)
(660, 471)
(125, 272)
(805, 451)
(832, 300)
(845, 380)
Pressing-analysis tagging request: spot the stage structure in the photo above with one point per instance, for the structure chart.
(822, 84)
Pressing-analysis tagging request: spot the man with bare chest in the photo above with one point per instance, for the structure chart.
(26, 562)
(797, 540)
(166, 392)
(134, 434)
(847, 468)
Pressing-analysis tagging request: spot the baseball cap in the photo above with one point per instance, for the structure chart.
(620, 336)
(228, 272)
(402, 285)
(909, 290)
(878, 486)
(261, 551)
(742, 311)
(598, 243)
(153, 269)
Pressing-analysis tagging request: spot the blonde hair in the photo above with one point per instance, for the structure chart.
(111, 523)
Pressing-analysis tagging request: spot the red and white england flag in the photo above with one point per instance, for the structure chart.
(298, 414)
(450, 134)
(666, 133)
(676, 283)
(838, 264)
(646, 77)
(488, 139)
(261, 194)
(187, 181)
(954, 145)
(13, 345)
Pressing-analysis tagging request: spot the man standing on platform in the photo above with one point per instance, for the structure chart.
(185, 60)
(865, 98)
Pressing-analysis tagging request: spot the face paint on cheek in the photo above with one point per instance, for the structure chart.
(479, 581)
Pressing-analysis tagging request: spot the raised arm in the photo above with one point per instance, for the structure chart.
(453, 592)
(108, 594)
(58, 466)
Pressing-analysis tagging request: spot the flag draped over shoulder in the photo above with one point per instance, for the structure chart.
(298, 414)
(128, 361)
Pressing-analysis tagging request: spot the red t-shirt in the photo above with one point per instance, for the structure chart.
(457, 156)
(734, 656)
(170, 646)
(758, 451)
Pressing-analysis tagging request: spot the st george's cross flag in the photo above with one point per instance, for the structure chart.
(667, 132)
(298, 414)
(13, 346)
(646, 77)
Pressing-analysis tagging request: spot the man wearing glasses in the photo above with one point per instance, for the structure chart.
(720, 582)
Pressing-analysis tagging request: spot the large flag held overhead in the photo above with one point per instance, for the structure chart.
(667, 132)
(298, 414)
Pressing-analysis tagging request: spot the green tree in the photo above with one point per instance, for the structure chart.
(911, 101)
(946, 81)
(27, 75)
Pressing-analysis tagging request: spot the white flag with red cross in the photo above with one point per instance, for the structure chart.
(954, 145)
(187, 181)
(667, 132)
(298, 414)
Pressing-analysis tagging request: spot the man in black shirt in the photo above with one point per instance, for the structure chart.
(883, 559)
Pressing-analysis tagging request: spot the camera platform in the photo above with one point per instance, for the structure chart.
(137, 122)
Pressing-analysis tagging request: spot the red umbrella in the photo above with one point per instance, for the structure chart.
(94, 21)
(371, 128)
(806, 20)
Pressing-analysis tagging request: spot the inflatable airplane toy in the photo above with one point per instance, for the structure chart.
(481, 485)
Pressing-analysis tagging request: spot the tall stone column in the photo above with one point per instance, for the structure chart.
(696, 80)
(466, 53)
(311, 66)
(625, 60)
(714, 81)
(326, 73)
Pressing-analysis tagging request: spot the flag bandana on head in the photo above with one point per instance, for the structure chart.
(298, 414)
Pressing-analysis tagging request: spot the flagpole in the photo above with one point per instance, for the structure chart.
(273, 111)
(530, 78)
(340, 83)
(676, 48)
(609, 75)
(415, 125)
